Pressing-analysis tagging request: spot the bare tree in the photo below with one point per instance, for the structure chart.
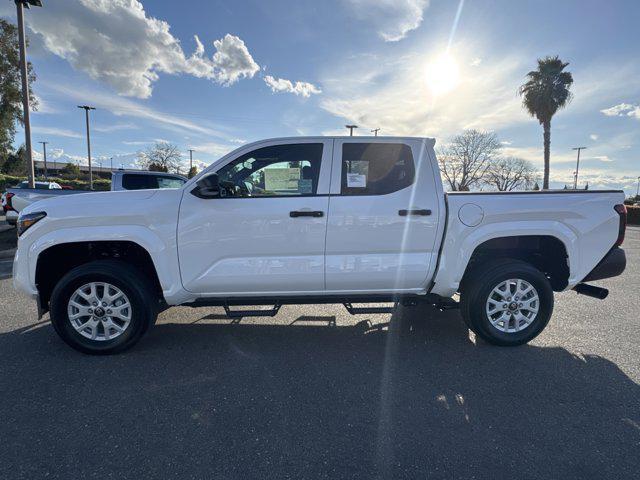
(511, 173)
(465, 160)
(163, 157)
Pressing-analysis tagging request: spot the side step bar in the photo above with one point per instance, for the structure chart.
(591, 291)
(251, 313)
(369, 310)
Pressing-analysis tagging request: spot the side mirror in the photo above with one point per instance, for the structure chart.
(207, 187)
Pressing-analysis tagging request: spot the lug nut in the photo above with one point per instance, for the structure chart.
(109, 311)
(505, 306)
(95, 304)
(91, 310)
(104, 304)
(520, 305)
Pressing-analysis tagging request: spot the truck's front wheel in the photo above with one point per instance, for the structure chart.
(506, 302)
(102, 307)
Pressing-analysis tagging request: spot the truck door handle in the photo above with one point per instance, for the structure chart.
(423, 212)
(306, 213)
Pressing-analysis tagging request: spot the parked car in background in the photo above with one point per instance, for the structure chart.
(12, 207)
(140, 180)
(347, 220)
(14, 200)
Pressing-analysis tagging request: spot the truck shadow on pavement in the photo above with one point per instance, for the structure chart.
(314, 400)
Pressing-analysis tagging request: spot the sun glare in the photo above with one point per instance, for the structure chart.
(443, 74)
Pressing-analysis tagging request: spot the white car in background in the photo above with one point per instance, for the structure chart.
(14, 200)
(12, 205)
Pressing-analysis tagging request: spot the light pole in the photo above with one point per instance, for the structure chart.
(44, 154)
(575, 175)
(86, 112)
(20, 6)
(351, 127)
(111, 164)
(191, 150)
(375, 132)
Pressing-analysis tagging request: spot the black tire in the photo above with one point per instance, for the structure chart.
(143, 301)
(478, 286)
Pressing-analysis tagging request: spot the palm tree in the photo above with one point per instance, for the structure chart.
(543, 94)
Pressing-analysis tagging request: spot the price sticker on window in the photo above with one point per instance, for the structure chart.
(356, 180)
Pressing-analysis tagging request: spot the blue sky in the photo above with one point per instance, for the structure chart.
(263, 69)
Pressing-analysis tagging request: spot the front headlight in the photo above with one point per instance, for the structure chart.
(25, 221)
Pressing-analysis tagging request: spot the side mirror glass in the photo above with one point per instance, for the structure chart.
(207, 187)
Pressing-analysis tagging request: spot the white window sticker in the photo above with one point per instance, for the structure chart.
(282, 179)
(356, 180)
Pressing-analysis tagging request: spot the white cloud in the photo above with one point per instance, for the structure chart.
(124, 106)
(593, 137)
(392, 19)
(622, 110)
(232, 60)
(392, 93)
(56, 132)
(116, 42)
(114, 128)
(476, 62)
(304, 89)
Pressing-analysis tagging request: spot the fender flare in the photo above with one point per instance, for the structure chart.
(459, 249)
(165, 259)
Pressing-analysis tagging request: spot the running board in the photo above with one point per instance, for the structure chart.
(251, 313)
(369, 310)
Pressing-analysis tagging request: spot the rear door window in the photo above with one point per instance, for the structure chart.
(376, 168)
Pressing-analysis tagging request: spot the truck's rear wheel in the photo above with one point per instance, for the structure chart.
(506, 302)
(102, 307)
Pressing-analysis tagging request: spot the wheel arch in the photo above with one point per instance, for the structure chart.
(545, 252)
(56, 260)
(462, 245)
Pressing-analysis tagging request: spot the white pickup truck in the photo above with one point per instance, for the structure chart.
(354, 220)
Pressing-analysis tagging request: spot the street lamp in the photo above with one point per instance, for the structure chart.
(575, 174)
(351, 127)
(44, 153)
(86, 111)
(20, 6)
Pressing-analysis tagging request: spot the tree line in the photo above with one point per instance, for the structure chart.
(472, 160)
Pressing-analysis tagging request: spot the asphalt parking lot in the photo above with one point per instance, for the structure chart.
(316, 393)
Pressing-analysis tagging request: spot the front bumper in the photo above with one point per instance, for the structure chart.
(612, 265)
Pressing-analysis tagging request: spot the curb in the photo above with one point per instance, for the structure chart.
(7, 253)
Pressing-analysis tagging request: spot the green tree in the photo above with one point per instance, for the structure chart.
(543, 94)
(157, 167)
(15, 163)
(70, 170)
(11, 86)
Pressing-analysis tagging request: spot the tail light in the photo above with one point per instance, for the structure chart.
(7, 198)
(622, 211)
